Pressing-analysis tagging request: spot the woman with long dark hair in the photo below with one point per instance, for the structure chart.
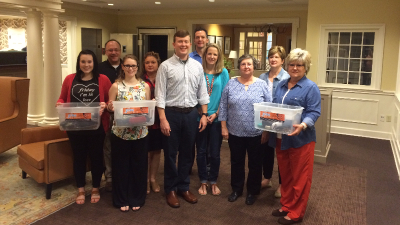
(89, 87)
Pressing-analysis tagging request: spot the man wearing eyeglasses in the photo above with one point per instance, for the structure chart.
(180, 86)
(111, 68)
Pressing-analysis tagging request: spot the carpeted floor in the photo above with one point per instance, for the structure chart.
(23, 201)
(338, 196)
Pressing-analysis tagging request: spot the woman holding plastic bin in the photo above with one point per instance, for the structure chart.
(216, 78)
(276, 58)
(295, 151)
(128, 144)
(236, 113)
(151, 61)
(89, 87)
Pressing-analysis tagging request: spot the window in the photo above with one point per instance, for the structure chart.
(254, 43)
(351, 56)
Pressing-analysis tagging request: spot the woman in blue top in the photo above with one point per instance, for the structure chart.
(216, 78)
(295, 151)
(276, 58)
(237, 125)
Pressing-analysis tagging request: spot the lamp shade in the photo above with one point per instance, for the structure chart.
(233, 54)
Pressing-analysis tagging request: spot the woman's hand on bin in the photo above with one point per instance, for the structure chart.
(110, 106)
(298, 129)
(102, 106)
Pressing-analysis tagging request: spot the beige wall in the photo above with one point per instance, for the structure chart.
(108, 23)
(357, 12)
(129, 23)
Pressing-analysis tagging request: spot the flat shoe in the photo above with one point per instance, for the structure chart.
(135, 210)
(80, 199)
(154, 186)
(250, 199)
(278, 193)
(234, 196)
(203, 189)
(95, 198)
(126, 209)
(215, 190)
(284, 221)
(278, 213)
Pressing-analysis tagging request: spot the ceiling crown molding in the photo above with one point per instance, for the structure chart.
(87, 8)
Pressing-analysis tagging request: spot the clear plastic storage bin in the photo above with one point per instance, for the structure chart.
(278, 118)
(75, 116)
(134, 113)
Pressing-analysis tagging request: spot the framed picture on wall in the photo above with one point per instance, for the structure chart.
(227, 45)
(211, 38)
(220, 42)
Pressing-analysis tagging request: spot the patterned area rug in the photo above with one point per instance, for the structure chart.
(23, 201)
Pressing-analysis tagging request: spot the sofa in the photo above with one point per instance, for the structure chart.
(14, 94)
(45, 154)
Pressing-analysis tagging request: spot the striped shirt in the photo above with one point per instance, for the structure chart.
(180, 84)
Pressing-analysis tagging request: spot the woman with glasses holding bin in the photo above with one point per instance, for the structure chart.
(295, 151)
(128, 144)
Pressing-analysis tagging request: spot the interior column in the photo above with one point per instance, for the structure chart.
(52, 67)
(35, 66)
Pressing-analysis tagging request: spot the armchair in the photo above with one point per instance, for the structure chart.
(14, 94)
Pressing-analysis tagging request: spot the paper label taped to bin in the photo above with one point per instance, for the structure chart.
(272, 116)
(135, 110)
(78, 116)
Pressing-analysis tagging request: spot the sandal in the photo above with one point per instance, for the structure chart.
(124, 209)
(203, 189)
(95, 198)
(148, 188)
(154, 186)
(80, 200)
(137, 208)
(215, 190)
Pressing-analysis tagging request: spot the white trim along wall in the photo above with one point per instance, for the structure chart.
(395, 134)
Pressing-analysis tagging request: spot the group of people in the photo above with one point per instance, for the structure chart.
(197, 104)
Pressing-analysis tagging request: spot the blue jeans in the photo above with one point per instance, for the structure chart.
(182, 137)
(210, 138)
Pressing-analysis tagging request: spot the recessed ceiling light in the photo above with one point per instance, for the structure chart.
(83, 0)
(110, 4)
(158, 3)
(211, 0)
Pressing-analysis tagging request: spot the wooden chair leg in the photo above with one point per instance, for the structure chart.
(48, 190)
(23, 174)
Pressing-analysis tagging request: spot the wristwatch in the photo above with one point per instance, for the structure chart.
(204, 114)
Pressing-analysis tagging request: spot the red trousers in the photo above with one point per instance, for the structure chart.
(296, 168)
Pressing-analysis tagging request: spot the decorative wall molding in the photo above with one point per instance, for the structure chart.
(396, 152)
(366, 113)
(361, 132)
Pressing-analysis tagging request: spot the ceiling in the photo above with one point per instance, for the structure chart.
(134, 5)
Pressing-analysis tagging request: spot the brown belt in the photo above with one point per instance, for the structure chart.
(181, 110)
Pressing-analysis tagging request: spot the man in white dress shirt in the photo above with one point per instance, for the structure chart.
(180, 86)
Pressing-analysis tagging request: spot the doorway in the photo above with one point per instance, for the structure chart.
(91, 39)
(158, 40)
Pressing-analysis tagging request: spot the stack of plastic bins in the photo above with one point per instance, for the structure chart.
(278, 118)
(75, 116)
(134, 113)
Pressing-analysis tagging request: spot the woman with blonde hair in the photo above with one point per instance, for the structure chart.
(295, 151)
(276, 58)
(128, 144)
(216, 77)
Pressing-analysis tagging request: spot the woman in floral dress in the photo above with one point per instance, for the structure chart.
(128, 145)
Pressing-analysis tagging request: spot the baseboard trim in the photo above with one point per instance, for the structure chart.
(396, 153)
(361, 133)
(322, 158)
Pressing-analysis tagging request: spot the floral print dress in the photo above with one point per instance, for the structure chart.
(130, 93)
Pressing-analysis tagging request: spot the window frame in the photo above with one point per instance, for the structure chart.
(376, 73)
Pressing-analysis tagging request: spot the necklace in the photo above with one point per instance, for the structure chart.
(209, 87)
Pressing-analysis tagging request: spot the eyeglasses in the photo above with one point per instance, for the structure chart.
(113, 50)
(131, 66)
(296, 65)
